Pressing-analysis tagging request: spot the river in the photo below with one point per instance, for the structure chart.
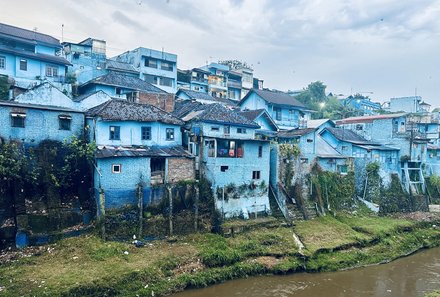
(411, 276)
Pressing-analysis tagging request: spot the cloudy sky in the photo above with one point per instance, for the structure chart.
(388, 47)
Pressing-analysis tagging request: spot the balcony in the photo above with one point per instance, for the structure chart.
(234, 84)
(199, 80)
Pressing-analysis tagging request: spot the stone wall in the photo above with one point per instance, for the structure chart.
(180, 169)
(164, 101)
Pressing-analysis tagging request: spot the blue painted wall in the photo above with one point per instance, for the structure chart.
(40, 124)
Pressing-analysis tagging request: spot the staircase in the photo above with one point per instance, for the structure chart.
(413, 179)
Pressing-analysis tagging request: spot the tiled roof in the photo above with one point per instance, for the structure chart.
(124, 81)
(36, 106)
(216, 113)
(347, 135)
(369, 119)
(317, 123)
(197, 95)
(36, 56)
(251, 115)
(276, 97)
(120, 66)
(141, 151)
(295, 132)
(184, 107)
(28, 34)
(119, 110)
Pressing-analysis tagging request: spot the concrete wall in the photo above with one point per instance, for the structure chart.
(40, 124)
(130, 133)
(239, 172)
(207, 130)
(120, 188)
(46, 94)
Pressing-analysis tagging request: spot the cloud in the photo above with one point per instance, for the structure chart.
(388, 47)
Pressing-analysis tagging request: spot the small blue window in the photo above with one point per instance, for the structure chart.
(115, 133)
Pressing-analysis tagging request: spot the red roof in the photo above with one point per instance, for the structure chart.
(369, 119)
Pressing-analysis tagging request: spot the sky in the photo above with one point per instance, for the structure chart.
(381, 48)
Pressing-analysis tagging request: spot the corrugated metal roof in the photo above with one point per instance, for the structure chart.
(37, 106)
(295, 132)
(120, 66)
(378, 147)
(369, 119)
(124, 81)
(276, 97)
(347, 135)
(36, 56)
(28, 34)
(317, 123)
(141, 151)
(119, 110)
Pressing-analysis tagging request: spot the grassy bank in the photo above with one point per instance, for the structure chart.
(88, 266)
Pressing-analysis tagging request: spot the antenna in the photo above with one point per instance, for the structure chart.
(62, 32)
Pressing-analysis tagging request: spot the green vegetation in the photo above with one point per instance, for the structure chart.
(88, 266)
(433, 294)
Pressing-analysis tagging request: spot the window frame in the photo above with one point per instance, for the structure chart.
(241, 130)
(146, 131)
(2, 64)
(116, 133)
(150, 65)
(51, 70)
(23, 65)
(117, 171)
(64, 119)
(15, 116)
(277, 111)
(260, 151)
(162, 79)
(169, 67)
(169, 134)
(256, 174)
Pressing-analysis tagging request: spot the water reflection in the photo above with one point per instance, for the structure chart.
(411, 276)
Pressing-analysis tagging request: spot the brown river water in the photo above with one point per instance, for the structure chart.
(411, 276)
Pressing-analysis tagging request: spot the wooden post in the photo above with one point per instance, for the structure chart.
(170, 197)
(140, 194)
(196, 206)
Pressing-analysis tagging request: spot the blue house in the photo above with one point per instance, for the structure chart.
(156, 67)
(286, 111)
(89, 60)
(363, 105)
(33, 123)
(137, 144)
(348, 143)
(433, 160)
(132, 89)
(195, 79)
(234, 85)
(268, 129)
(217, 79)
(29, 56)
(229, 156)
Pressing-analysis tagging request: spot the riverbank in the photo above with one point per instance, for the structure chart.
(88, 266)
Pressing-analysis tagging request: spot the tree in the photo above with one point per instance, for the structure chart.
(4, 87)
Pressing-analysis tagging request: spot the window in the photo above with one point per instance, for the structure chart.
(344, 148)
(23, 64)
(224, 168)
(17, 120)
(51, 70)
(215, 128)
(150, 79)
(260, 151)
(241, 130)
(118, 91)
(64, 122)
(2, 62)
(277, 114)
(359, 127)
(166, 66)
(170, 134)
(229, 149)
(210, 144)
(166, 81)
(152, 63)
(342, 169)
(115, 133)
(256, 174)
(291, 113)
(309, 140)
(116, 168)
(146, 133)
(227, 129)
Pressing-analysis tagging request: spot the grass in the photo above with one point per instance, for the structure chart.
(89, 266)
(327, 233)
(433, 294)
